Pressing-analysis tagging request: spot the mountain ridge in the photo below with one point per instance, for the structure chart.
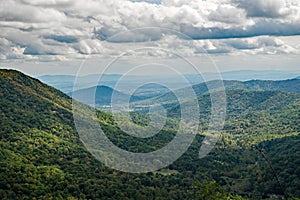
(290, 85)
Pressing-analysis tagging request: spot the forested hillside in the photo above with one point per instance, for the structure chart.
(42, 157)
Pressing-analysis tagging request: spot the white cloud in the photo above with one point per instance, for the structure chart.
(265, 44)
(89, 47)
(228, 14)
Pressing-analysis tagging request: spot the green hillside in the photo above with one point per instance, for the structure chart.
(41, 156)
(291, 85)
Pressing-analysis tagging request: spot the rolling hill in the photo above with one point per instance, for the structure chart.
(42, 156)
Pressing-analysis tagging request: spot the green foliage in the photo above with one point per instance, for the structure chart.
(42, 157)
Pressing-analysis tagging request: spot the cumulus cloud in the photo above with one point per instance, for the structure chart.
(228, 14)
(89, 47)
(269, 45)
(67, 28)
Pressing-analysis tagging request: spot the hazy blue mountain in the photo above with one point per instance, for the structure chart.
(101, 96)
(245, 75)
(146, 86)
(66, 83)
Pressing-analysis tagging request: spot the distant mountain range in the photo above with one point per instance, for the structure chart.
(246, 75)
(101, 95)
(65, 83)
(291, 85)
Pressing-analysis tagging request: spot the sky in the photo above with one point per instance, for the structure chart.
(62, 36)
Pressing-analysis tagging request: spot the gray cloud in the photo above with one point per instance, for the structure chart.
(8, 50)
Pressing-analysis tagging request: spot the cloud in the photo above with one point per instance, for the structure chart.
(267, 8)
(48, 3)
(72, 29)
(62, 38)
(228, 14)
(148, 1)
(89, 47)
(265, 44)
(259, 28)
(8, 50)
